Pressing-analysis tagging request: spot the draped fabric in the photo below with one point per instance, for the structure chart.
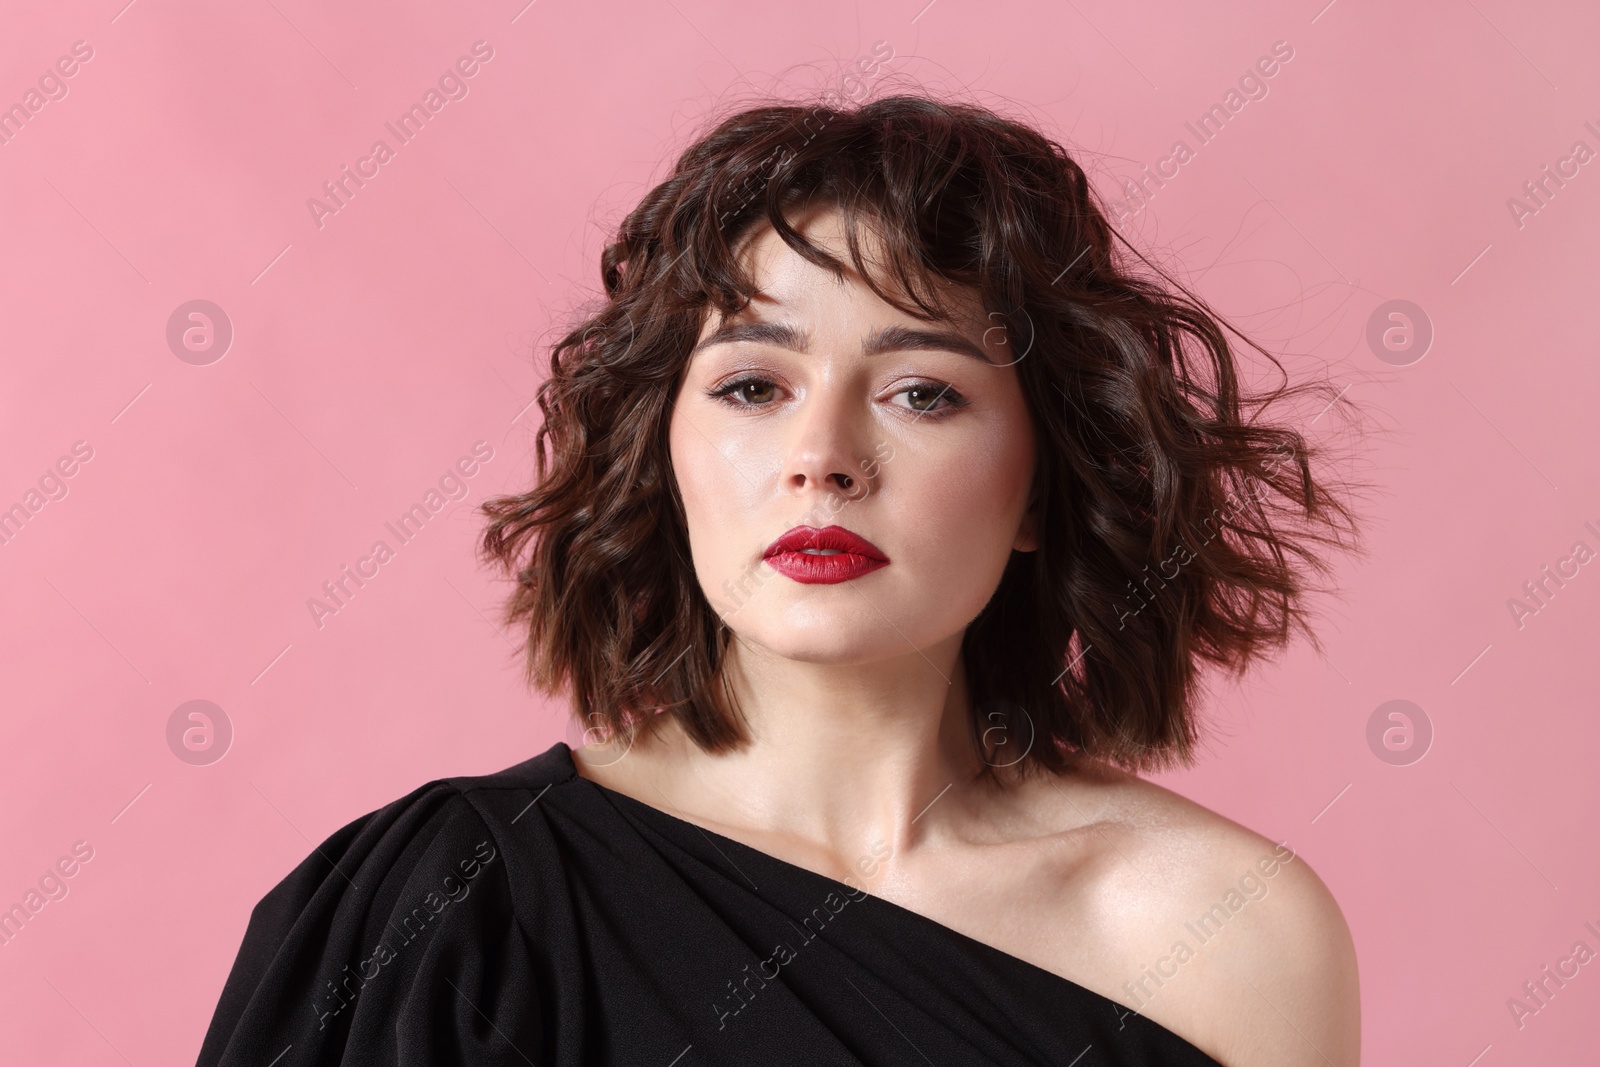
(533, 917)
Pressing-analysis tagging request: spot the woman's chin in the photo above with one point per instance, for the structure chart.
(832, 640)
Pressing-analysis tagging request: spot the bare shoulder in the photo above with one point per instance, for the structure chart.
(1219, 934)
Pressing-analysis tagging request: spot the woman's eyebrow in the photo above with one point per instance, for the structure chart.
(883, 339)
(780, 334)
(904, 338)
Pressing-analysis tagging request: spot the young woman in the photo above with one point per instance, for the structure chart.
(885, 518)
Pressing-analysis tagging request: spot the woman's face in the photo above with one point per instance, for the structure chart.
(840, 411)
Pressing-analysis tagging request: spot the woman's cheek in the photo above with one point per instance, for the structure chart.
(720, 475)
(975, 505)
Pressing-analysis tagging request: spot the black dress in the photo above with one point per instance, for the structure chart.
(535, 917)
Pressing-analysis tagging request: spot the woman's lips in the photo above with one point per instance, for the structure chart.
(822, 557)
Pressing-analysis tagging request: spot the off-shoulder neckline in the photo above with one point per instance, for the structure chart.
(563, 753)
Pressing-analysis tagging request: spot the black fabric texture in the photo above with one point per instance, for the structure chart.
(533, 917)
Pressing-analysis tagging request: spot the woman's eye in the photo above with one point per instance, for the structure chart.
(931, 398)
(745, 392)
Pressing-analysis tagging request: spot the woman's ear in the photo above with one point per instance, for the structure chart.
(1027, 539)
(1028, 533)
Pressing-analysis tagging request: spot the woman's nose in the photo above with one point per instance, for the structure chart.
(824, 445)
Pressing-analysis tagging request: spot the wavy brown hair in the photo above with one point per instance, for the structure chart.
(1175, 526)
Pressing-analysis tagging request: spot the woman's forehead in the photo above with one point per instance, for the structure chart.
(786, 281)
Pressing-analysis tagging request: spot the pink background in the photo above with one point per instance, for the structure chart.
(371, 353)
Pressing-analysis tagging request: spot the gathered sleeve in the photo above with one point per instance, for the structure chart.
(394, 942)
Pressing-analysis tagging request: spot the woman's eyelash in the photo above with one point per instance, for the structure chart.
(952, 399)
(722, 391)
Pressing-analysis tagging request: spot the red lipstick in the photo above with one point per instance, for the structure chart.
(823, 557)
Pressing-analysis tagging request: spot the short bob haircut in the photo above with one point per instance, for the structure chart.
(1174, 526)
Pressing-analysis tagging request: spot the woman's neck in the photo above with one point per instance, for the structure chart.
(844, 759)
